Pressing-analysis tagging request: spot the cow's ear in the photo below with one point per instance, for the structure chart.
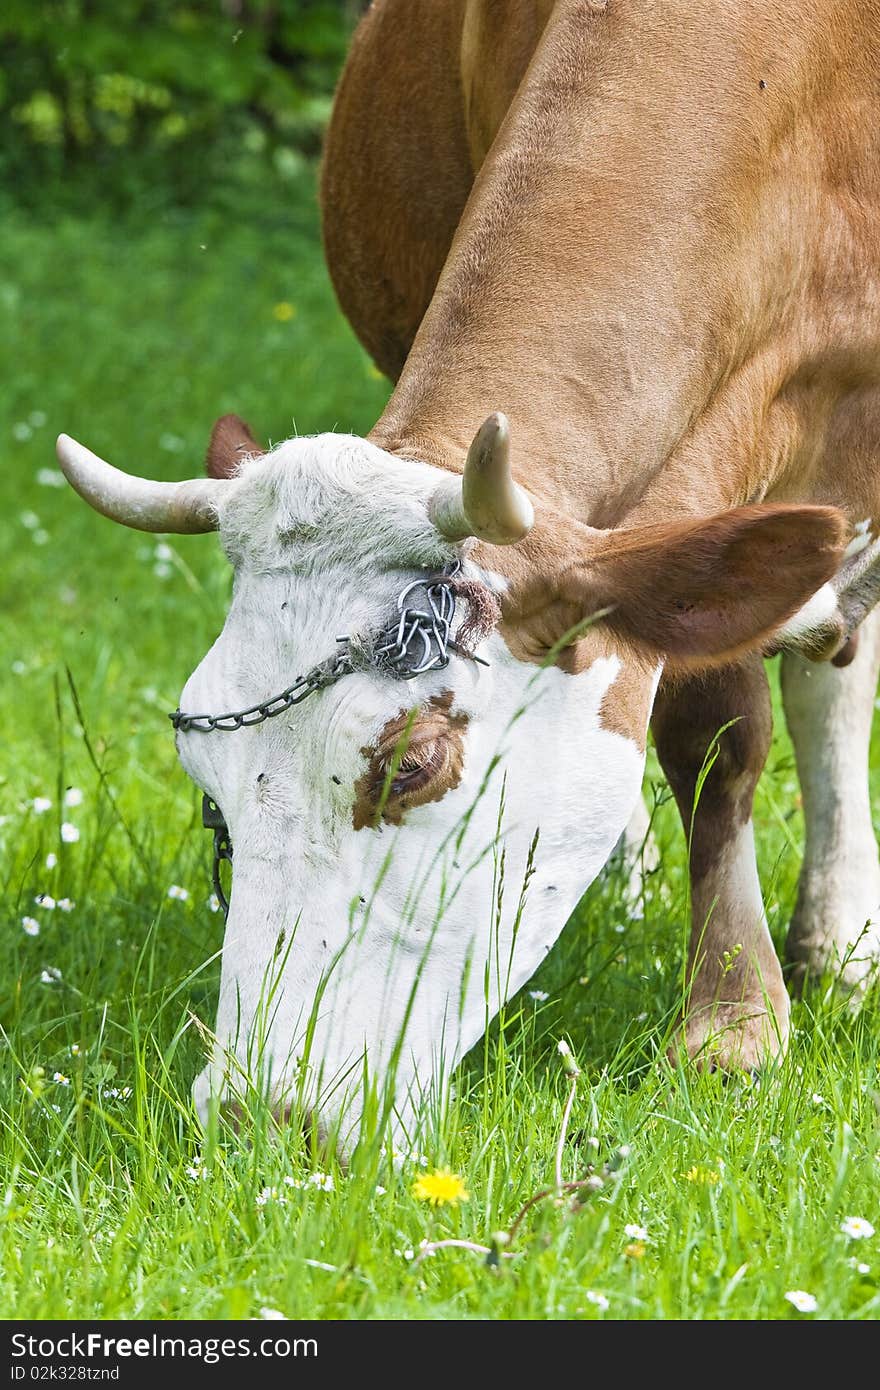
(231, 442)
(706, 590)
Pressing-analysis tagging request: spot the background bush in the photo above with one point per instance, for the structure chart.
(109, 97)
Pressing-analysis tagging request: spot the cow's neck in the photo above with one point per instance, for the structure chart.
(621, 283)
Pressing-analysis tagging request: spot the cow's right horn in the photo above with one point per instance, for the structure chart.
(484, 502)
(186, 508)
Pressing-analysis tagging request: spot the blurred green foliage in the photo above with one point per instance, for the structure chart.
(114, 96)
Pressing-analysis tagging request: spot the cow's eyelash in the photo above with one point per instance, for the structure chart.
(418, 766)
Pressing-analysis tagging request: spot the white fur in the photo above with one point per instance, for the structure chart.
(861, 539)
(816, 612)
(324, 533)
(829, 713)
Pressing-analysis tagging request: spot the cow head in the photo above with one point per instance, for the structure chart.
(407, 850)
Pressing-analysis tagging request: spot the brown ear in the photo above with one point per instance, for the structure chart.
(701, 591)
(231, 441)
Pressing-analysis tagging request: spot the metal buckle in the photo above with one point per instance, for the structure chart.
(212, 816)
(212, 819)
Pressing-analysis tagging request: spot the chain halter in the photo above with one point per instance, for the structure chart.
(419, 639)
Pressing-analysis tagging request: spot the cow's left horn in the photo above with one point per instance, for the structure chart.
(485, 502)
(186, 508)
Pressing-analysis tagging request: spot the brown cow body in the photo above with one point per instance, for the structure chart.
(650, 235)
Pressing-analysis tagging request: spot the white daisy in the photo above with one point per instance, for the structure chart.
(30, 926)
(857, 1228)
(69, 833)
(179, 894)
(633, 1232)
(269, 1194)
(41, 804)
(803, 1301)
(323, 1181)
(73, 797)
(598, 1299)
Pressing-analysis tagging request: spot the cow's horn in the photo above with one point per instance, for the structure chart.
(183, 508)
(485, 502)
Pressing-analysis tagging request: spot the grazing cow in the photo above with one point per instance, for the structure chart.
(650, 236)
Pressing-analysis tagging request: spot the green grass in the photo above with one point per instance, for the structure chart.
(134, 337)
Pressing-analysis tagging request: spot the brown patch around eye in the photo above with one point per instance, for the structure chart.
(430, 766)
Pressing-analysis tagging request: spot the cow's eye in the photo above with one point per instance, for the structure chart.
(417, 769)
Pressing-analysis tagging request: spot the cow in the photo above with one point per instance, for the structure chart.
(622, 263)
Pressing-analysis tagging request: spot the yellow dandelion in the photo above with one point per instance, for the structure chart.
(284, 311)
(439, 1188)
(635, 1250)
(706, 1177)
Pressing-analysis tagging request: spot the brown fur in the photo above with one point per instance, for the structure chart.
(698, 591)
(626, 704)
(727, 1007)
(483, 612)
(694, 591)
(230, 444)
(704, 328)
(434, 727)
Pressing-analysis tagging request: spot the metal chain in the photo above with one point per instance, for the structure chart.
(318, 678)
(419, 640)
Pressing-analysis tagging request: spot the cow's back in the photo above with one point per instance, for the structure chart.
(424, 91)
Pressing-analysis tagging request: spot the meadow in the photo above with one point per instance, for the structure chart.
(712, 1199)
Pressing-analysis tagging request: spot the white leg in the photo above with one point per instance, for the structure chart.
(637, 852)
(836, 925)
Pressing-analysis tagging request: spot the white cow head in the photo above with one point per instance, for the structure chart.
(407, 851)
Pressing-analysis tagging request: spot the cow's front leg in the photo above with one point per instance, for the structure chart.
(836, 924)
(736, 1005)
